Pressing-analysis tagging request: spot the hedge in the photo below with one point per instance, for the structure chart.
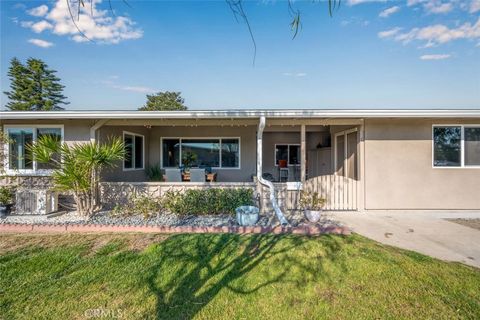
(207, 201)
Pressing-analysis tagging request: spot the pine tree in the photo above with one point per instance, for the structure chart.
(19, 84)
(34, 87)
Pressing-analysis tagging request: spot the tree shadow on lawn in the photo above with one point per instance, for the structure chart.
(191, 269)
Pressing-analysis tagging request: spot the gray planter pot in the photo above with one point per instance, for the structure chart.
(5, 209)
(247, 215)
(313, 215)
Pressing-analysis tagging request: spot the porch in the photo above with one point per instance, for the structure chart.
(317, 155)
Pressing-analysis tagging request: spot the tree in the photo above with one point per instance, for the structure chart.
(78, 168)
(19, 95)
(34, 87)
(164, 101)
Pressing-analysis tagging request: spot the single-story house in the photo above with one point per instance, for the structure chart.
(357, 159)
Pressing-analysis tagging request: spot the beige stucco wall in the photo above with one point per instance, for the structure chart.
(399, 172)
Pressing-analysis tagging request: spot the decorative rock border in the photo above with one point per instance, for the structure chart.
(61, 228)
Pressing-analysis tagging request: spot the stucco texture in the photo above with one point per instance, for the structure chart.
(399, 172)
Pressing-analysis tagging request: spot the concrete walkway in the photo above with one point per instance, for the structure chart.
(425, 232)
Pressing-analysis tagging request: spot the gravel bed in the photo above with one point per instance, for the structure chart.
(104, 218)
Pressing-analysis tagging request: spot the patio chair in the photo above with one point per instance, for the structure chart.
(173, 175)
(197, 175)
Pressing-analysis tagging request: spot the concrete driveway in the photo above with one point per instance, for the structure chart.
(425, 232)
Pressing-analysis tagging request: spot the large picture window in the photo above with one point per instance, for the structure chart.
(289, 153)
(134, 148)
(19, 159)
(201, 152)
(456, 146)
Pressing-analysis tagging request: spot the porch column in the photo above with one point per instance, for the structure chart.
(303, 155)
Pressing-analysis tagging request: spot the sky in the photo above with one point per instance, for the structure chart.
(370, 54)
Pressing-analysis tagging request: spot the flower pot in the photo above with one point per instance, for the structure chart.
(5, 209)
(313, 215)
(247, 215)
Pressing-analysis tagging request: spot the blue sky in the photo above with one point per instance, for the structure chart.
(380, 54)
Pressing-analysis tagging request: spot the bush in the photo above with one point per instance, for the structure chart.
(154, 173)
(6, 195)
(207, 201)
(145, 205)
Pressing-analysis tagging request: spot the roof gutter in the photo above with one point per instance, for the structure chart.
(233, 114)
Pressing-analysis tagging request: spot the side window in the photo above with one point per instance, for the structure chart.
(133, 151)
(472, 146)
(19, 156)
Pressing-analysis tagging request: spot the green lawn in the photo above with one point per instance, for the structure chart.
(140, 276)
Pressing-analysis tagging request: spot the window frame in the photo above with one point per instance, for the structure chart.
(34, 171)
(201, 138)
(133, 134)
(462, 146)
(288, 154)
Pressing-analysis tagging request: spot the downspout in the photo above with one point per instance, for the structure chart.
(268, 184)
(96, 126)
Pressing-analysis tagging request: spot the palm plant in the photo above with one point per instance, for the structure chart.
(77, 167)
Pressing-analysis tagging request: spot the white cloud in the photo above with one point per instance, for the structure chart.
(355, 2)
(26, 24)
(389, 33)
(38, 11)
(111, 83)
(413, 2)
(134, 89)
(296, 74)
(437, 34)
(41, 26)
(387, 12)
(474, 6)
(40, 43)
(434, 57)
(434, 6)
(95, 24)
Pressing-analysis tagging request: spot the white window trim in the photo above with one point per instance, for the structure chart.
(462, 146)
(34, 171)
(288, 154)
(133, 151)
(201, 138)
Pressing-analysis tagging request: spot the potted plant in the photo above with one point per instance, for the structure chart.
(312, 204)
(188, 159)
(6, 200)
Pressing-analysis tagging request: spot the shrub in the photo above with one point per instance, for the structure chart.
(207, 201)
(6, 195)
(78, 167)
(155, 173)
(311, 201)
(145, 205)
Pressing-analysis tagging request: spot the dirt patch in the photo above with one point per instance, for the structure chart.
(472, 223)
(94, 241)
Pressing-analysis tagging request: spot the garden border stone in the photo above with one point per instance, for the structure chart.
(61, 228)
